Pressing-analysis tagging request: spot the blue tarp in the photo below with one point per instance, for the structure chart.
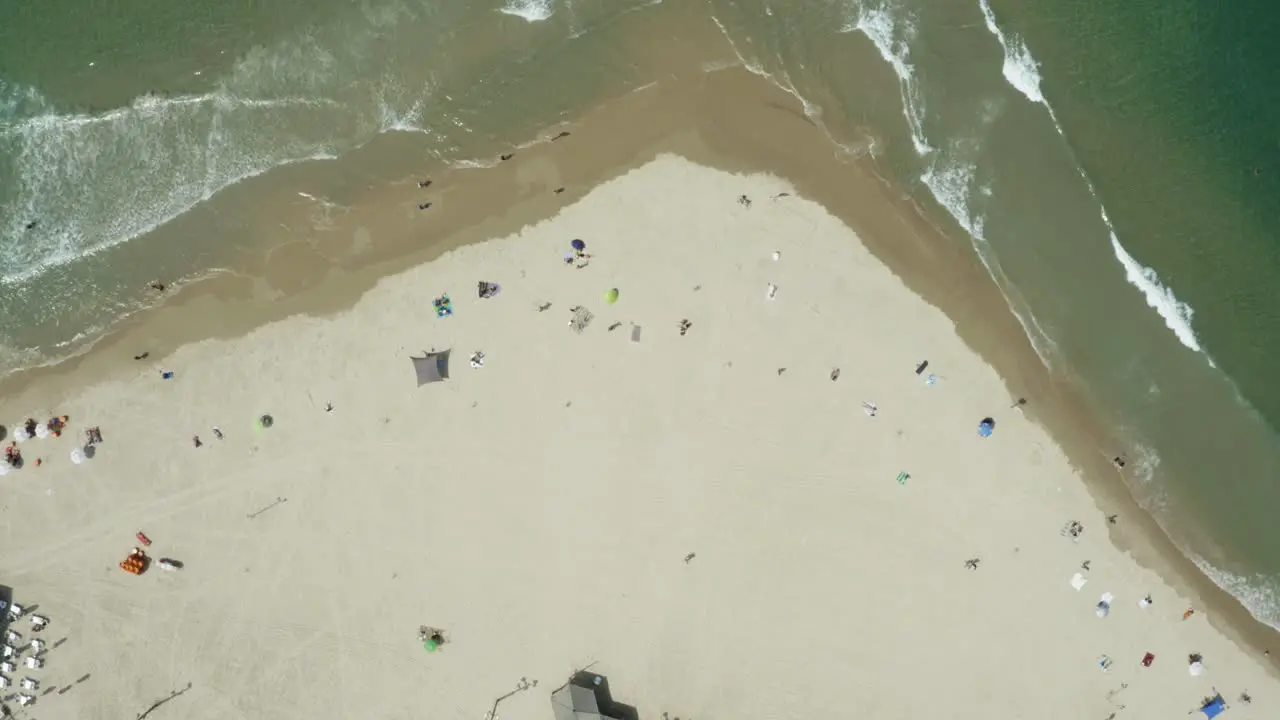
(1214, 708)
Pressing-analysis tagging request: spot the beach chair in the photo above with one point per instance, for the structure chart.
(28, 684)
(25, 699)
(7, 651)
(16, 611)
(34, 662)
(6, 667)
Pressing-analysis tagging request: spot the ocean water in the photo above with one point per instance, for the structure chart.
(1114, 163)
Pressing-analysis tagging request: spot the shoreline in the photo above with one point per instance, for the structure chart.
(706, 121)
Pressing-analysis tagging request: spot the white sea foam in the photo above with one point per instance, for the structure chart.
(784, 83)
(1177, 314)
(529, 10)
(1020, 69)
(892, 32)
(1022, 72)
(952, 184)
(1259, 594)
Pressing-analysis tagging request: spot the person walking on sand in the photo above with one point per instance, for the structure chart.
(195, 440)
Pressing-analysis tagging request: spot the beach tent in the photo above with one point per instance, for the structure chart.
(433, 367)
(1211, 709)
(574, 702)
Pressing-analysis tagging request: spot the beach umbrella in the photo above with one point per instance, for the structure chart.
(20, 433)
(77, 456)
(1195, 669)
(578, 245)
(42, 431)
(4, 468)
(611, 297)
(985, 427)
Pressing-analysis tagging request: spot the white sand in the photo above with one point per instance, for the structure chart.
(539, 508)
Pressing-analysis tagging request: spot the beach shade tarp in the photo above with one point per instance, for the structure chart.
(574, 702)
(1211, 709)
(433, 367)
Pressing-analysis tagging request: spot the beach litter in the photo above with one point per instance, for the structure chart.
(772, 291)
(903, 477)
(487, 290)
(477, 359)
(1104, 663)
(635, 334)
(1148, 659)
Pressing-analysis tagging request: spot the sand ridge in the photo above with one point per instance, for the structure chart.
(540, 508)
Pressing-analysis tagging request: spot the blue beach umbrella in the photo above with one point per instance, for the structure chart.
(985, 427)
(578, 245)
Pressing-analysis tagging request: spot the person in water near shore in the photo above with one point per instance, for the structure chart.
(424, 183)
(157, 286)
(506, 156)
(423, 206)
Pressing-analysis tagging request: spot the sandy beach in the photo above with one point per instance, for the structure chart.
(716, 520)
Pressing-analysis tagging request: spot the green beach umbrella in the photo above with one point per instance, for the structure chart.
(611, 297)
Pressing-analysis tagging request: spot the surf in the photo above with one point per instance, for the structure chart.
(1022, 72)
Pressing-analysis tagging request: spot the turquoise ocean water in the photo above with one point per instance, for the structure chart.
(1114, 163)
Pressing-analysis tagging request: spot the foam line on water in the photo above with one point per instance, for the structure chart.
(811, 111)
(951, 182)
(1022, 72)
(528, 10)
(948, 178)
(1260, 595)
(892, 35)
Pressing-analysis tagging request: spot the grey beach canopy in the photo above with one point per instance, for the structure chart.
(574, 702)
(434, 367)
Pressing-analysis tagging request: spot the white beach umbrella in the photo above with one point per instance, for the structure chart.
(42, 431)
(1195, 669)
(77, 456)
(20, 432)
